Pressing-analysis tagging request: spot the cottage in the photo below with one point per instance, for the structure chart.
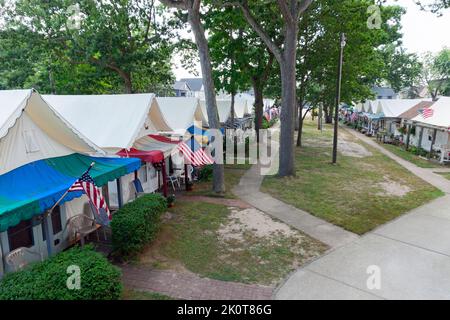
(41, 156)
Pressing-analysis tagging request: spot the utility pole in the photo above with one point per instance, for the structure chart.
(338, 97)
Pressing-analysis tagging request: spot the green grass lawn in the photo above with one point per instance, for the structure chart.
(130, 294)
(192, 240)
(446, 175)
(348, 194)
(233, 174)
(408, 156)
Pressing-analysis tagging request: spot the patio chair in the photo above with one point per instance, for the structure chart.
(19, 258)
(173, 180)
(82, 225)
(138, 189)
(182, 175)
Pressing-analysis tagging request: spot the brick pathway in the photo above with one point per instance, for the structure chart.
(226, 202)
(189, 286)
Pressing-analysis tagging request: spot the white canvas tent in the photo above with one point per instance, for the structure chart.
(223, 108)
(241, 108)
(392, 108)
(433, 132)
(31, 130)
(113, 122)
(181, 113)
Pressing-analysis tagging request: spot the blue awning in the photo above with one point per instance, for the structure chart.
(35, 187)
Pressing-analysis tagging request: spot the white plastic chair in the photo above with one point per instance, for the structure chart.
(19, 258)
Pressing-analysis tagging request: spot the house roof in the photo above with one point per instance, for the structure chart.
(441, 114)
(414, 111)
(195, 84)
(384, 92)
(181, 85)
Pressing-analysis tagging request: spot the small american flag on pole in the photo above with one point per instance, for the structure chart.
(426, 112)
(197, 158)
(86, 184)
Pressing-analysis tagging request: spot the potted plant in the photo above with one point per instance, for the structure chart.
(170, 200)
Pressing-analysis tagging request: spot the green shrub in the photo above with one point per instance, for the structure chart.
(47, 280)
(206, 173)
(136, 224)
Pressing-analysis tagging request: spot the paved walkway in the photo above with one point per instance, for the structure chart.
(248, 190)
(189, 286)
(411, 253)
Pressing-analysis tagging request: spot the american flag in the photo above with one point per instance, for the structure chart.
(426, 112)
(198, 157)
(86, 184)
(353, 116)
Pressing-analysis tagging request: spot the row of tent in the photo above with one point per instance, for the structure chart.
(430, 120)
(48, 141)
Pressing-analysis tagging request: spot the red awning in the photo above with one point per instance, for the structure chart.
(154, 156)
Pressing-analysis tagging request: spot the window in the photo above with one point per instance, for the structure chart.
(21, 235)
(143, 173)
(56, 222)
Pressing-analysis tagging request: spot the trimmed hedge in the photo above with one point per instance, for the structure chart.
(47, 280)
(136, 224)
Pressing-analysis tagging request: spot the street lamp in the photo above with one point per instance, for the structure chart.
(338, 97)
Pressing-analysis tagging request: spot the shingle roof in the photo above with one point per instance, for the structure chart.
(194, 83)
(414, 111)
(180, 85)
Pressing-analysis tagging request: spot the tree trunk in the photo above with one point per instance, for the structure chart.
(259, 106)
(288, 103)
(210, 94)
(297, 115)
(233, 94)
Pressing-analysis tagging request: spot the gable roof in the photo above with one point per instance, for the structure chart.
(441, 114)
(392, 108)
(111, 121)
(181, 85)
(195, 84)
(414, 111)
(181, 112)
(31, 130)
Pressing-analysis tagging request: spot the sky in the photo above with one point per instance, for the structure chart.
(422, 31)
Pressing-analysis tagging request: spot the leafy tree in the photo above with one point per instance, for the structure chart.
(436, 73)
(240, 59)
(119, 38)
(284, 49)
(402, 69)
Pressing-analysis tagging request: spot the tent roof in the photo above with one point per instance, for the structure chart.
(31, 130)
(414, 111)
(392, 108)
(111, 121)
(35, 187)
(180, 113)
(241, 108)
(441, 114)
(223, 107)
(16, 102)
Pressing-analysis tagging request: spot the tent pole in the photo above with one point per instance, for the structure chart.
(408, 136)
(119, 193)
(186, 176)
(164, 176)
(48, 234)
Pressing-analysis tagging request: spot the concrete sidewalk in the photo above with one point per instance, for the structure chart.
(412, 254)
